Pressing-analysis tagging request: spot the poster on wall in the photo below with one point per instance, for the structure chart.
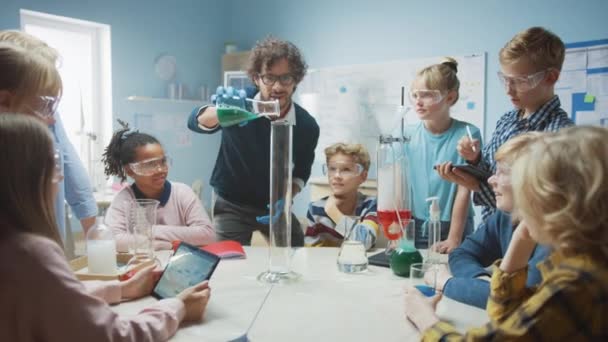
(583, 83)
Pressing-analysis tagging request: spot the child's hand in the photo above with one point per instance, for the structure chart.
(140, 284)
(446, 246)
(465, 149)
(419, 309)
(195, 300)
(447, 172)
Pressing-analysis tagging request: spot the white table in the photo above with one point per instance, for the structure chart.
(324, 305)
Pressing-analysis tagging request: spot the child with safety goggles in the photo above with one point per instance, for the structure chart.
(346, 169)
(433, 140)
(530, 66)
(180, 214)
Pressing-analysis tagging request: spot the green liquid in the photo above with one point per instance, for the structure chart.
(232, 116)
(402, 258)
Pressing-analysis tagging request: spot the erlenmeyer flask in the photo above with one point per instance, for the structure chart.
(232, 110)
(352, 257)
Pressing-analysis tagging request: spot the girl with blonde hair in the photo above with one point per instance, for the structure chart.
(433, 141)
(560, 187)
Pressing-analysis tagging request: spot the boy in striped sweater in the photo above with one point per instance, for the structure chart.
(328, 218)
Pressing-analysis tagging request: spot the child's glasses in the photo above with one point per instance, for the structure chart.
(58, 167)
(45, 107)
(342, 169)
(522, 83)
(427, 97)
(502, 174)
(151, 166)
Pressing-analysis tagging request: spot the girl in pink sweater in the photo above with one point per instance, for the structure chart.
(41, 298)
(180, 214)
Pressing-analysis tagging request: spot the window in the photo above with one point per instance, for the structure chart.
(85, 68)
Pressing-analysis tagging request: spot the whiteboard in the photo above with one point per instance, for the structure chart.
(355, 103)
(583, 83)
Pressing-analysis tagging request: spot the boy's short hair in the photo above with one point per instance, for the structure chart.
(561, 182)
(542, 47)
(512, 148)
(269, 51)
(356, 151)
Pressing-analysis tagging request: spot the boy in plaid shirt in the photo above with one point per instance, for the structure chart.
(530, 66)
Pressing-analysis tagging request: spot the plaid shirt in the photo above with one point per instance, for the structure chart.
(571, 304)
(548, 118)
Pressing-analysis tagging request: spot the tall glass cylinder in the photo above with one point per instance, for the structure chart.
(142, 218)
(279, 254)
(393, 188)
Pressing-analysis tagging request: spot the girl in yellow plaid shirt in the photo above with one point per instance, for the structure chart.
(560, 188)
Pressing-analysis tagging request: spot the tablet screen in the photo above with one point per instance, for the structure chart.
(188, 266)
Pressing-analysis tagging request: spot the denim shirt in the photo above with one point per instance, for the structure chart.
(76, 187)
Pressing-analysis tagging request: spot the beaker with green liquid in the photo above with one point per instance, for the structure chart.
(234, 110)
(406, 254)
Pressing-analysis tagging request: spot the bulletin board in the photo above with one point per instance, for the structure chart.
(583, 82)
(354, 104)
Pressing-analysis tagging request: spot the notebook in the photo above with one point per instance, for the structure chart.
(227, 249)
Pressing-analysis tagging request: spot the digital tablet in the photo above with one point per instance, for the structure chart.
(380, 259)
(474, 171)
(188, 266)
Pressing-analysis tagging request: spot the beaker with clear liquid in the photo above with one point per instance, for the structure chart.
(352, 257)
(142, 218)
(233, 110)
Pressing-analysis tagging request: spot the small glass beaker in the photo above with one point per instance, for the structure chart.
(233, 110)
(352, 257)
(423, 276)
(142, 218)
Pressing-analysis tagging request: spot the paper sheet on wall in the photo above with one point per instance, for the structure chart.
(583, 84)
(575, 60)
(598, 58)
(356, 103)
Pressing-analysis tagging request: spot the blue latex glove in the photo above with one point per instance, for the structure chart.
(232, 96)
(278, 207)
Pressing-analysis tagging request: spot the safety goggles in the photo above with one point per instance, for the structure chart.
(522, 83)
(58, 167)
(45, 106)
(503, 174)
(151, 166)
(284, 80)
(427, 97)
(342, 169)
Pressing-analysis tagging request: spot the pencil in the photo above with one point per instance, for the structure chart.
(471, 138)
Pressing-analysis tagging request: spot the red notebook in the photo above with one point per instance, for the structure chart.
(227, 249)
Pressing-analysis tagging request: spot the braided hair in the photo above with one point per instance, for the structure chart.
(121, 149)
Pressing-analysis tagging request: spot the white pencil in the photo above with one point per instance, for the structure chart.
(471, 138)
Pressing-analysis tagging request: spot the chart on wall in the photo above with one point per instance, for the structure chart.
(583, 82)
(357, 103)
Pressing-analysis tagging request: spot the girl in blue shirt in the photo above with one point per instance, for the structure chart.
(434, 140)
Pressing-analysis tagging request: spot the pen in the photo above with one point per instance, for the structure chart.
(471, 138)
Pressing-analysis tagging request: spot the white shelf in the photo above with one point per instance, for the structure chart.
(165, 100)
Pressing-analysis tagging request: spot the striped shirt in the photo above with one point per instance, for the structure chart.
(550, 117)
(571, 304)
(323, 231)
